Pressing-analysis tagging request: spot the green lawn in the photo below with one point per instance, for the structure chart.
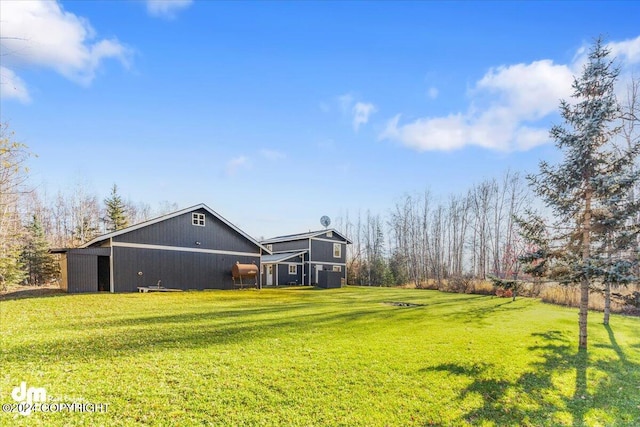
(301, 356)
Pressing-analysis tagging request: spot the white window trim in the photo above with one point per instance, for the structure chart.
(337, 268)
(197, 219)
(325, 263)
(339, 246)
(295, 269)
(270, 248)
(329, 233)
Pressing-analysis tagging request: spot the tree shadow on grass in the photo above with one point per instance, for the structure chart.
(31, 292)
(478, 311)
(607, 385)
(113, 333)
(109, 338)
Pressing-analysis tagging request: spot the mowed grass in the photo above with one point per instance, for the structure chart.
(308, 357)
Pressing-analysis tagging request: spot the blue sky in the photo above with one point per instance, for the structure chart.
(276, 113)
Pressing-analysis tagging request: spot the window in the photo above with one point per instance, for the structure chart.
(329, 233)
(270, 269)
(337, 250)
(337, 268)
(197, 219)
(269, 247)
(293, 269)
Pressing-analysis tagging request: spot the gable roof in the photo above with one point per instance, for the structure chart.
(301, 236)
(173, 215)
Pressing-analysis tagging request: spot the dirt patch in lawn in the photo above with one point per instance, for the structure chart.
(17, 292)
(402, 304)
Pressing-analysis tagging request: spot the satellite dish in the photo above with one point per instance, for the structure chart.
(325, 221)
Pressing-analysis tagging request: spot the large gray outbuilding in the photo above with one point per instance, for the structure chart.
(194, 248)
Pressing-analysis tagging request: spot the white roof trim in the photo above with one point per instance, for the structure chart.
(284, 256)
(304, 236)
(173, 215)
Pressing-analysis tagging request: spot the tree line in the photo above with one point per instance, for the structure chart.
(424, 239)
(32, 222)
(587, 234)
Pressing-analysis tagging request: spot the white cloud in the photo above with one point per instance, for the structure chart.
(237, 163)
(41, 33)
(505, 106)
(12, 86)
(358, 111)
(532, 90)
(440, 133)
(272, 154)
(627, 50)
(167, 8)
(361, 113)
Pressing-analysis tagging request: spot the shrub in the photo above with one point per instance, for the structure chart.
(461, 284)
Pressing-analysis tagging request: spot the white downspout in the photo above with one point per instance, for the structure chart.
(111, 285)
(309, 263)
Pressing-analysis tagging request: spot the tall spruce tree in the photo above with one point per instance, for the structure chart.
(592, 177)
(40, 266)
(116, 215)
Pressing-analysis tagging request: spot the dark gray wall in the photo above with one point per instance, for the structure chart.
(81, 269)
(329, 279)
(285, 278)
(290, 246)
(179, 231)
(322, 251)
(180, 270)
(326, 267)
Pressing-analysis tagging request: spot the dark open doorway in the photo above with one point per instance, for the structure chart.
(104, 274)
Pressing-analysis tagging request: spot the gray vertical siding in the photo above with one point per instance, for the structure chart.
(176, 269)
(82, 273)
(177, 256)
(285, 278)
(329, 279)
(180, 232)
(322, 251)
(79, 271)
(290, 246)
(326, 267)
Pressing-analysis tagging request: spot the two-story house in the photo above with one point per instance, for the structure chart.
(296, 259)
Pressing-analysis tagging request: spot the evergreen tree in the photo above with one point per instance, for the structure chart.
(40, 266)
(11, 269)
(116, 215)
(592, 176)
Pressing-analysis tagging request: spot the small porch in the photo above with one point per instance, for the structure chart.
(284, 268)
